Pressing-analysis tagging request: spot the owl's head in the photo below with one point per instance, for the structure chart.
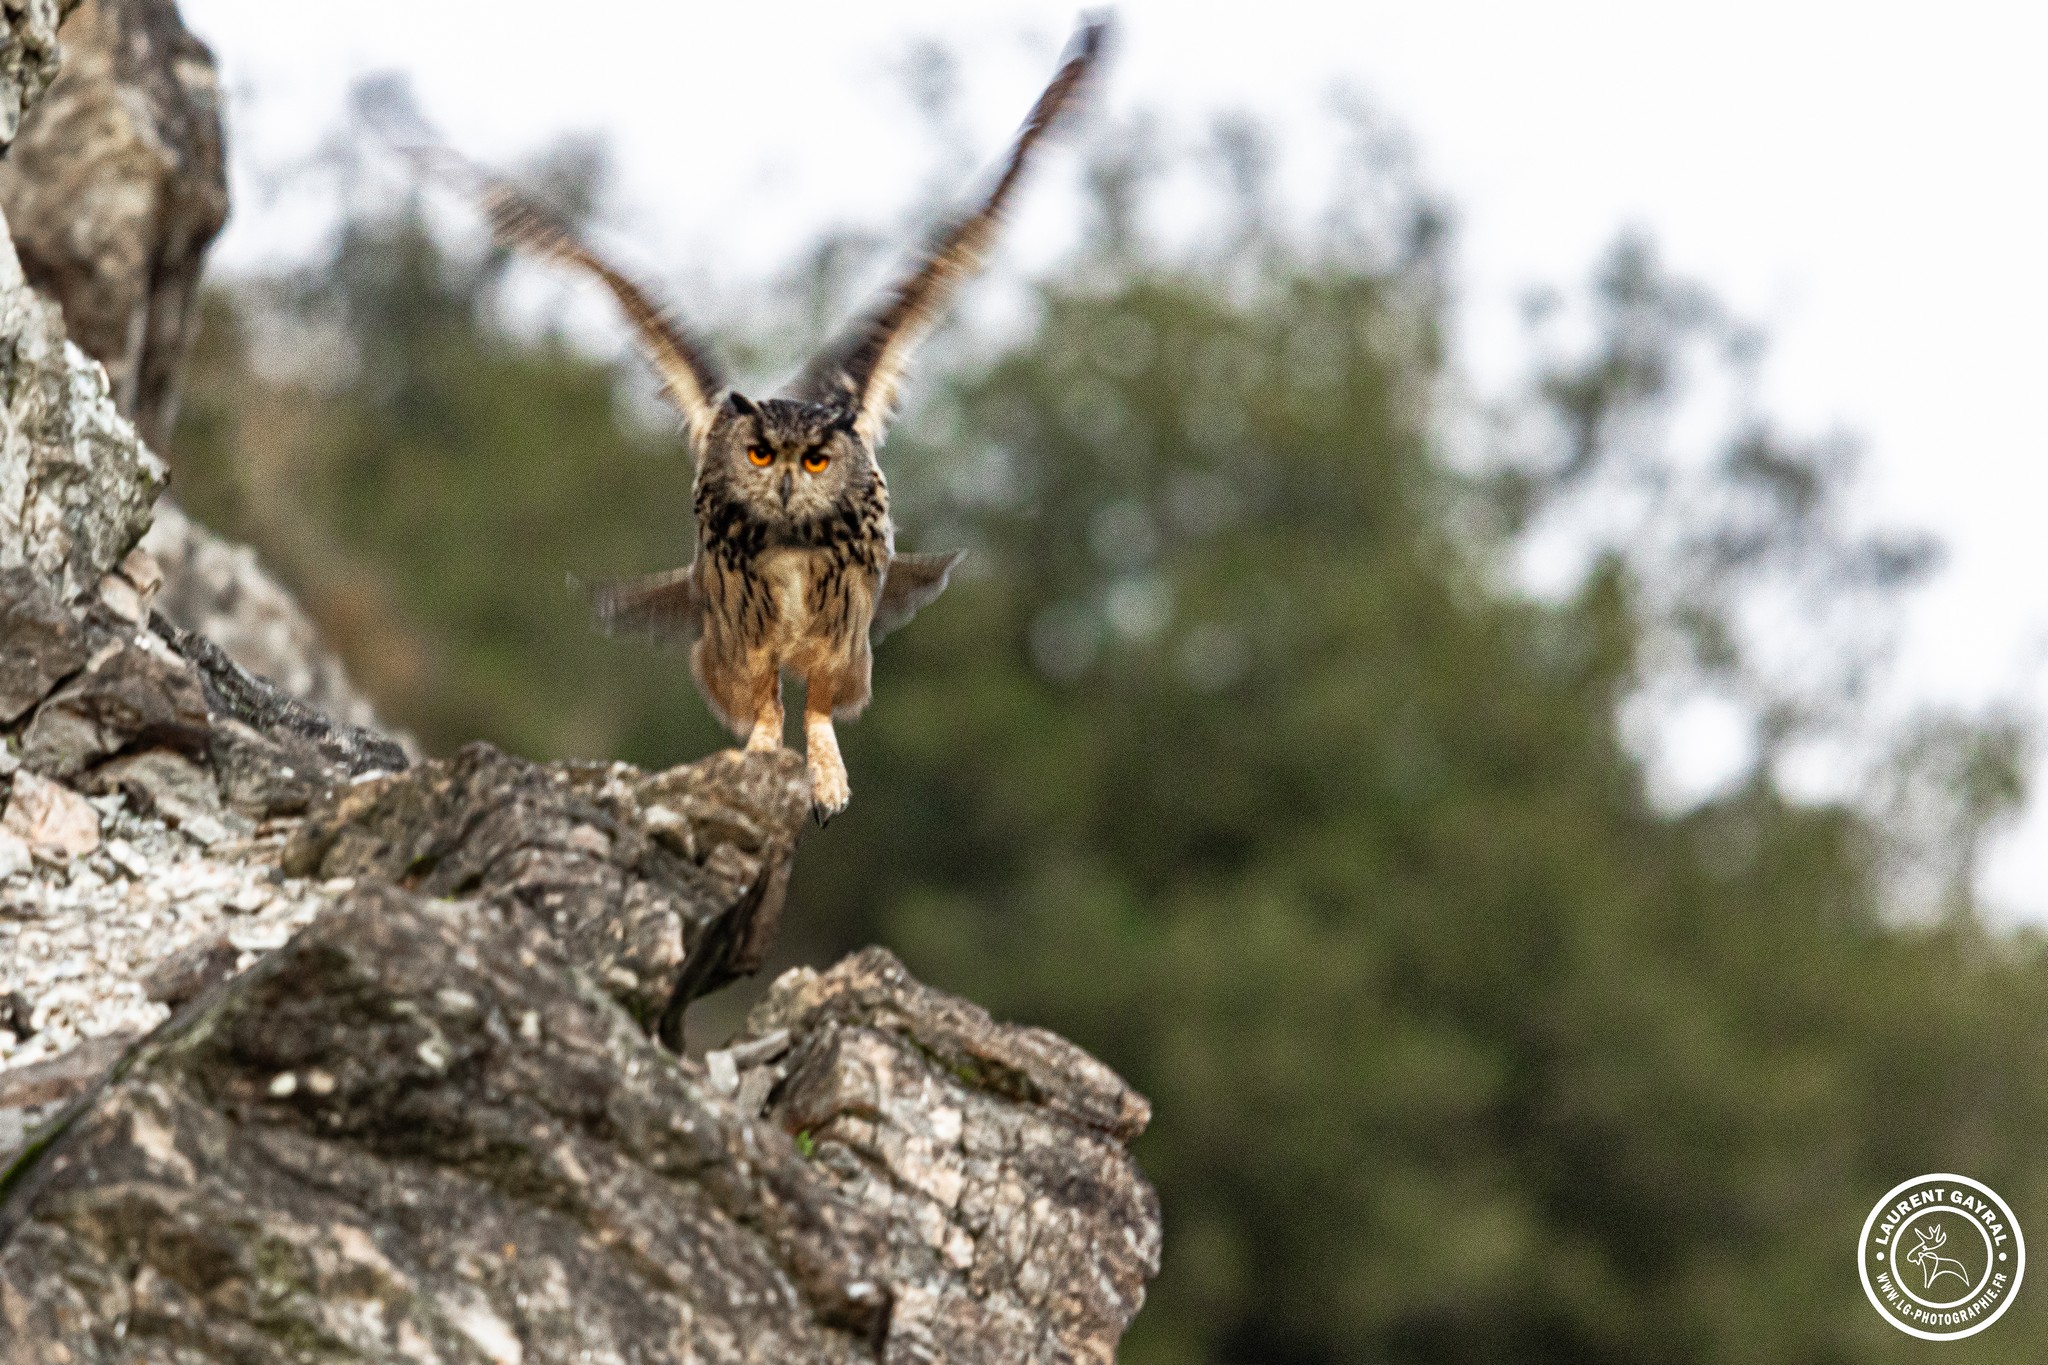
(792, 466)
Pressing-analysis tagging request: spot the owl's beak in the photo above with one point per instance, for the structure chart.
(788, 485)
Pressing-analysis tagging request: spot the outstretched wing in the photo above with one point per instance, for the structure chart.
(862, 370)
(685, 366)
(909, 585)
(661, 606)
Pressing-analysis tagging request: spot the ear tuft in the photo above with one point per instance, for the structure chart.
(739, 405)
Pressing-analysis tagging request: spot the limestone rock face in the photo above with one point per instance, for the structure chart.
(76, 485)
(419, 1132)
(664, 886)
(114, 192)
(1017, 1225)
(28, 57)
(434, 1117)
(140, 696)
(415, 1132)
(40, 644)
(115, 186)
(219, 590)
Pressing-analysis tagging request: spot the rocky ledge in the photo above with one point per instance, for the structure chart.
(417, 1094)
(418, 1132)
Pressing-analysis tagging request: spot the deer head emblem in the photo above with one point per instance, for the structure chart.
(1933, 1266)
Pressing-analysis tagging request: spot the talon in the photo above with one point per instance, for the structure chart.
(829, 795)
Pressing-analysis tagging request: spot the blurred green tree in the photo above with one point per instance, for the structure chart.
(1240, 757)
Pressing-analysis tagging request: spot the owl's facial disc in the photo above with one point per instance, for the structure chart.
(791, 464)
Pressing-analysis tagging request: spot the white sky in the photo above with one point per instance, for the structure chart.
(1865, 179)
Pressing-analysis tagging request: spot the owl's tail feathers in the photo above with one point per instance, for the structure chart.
(909, 585)
(659, 606)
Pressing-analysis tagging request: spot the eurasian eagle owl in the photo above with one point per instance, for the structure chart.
(796, 570)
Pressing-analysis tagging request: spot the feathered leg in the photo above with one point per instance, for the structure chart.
(766, 736)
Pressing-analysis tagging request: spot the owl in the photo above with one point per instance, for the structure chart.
(796, 572)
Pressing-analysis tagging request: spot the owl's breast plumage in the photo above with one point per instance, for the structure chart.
(803, 591)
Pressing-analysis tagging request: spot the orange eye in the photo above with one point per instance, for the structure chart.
(815, 462)
(758, 457)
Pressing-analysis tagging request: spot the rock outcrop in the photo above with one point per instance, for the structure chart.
(75, 484)
(220, 591)
(665, 886)
(114, 191)
(115, 186)
(310, 1052)
(437, 1122)
(138, 767)
(1014, 1225)
(416, 1132)
(28, 57)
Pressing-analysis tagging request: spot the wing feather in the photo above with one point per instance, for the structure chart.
(863, 369)
(909, 585)
(688, 374)
(662, 606)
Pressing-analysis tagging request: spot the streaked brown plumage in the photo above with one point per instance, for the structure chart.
(796, 569)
